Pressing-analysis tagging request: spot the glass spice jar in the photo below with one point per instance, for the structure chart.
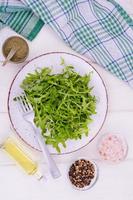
(21, 47)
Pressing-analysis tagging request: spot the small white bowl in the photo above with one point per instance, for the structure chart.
(93, 181)
(124, 143)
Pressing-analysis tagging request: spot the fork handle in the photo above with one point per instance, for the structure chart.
(52, 165)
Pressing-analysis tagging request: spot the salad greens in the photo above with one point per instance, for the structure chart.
(63, 103)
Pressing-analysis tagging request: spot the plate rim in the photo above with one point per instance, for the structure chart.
(9, 93)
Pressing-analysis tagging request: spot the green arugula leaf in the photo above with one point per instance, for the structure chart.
(63, 103)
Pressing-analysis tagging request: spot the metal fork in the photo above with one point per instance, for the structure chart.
(28, 114)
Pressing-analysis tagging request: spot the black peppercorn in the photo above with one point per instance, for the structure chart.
(81, 173)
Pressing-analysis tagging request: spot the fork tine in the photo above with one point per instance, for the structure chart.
(27, 103)
(24, 101)
(21, 104)
(24, 104)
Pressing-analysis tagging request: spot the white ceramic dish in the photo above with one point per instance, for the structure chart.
(93, 181)
(24, 130)
(123, 143)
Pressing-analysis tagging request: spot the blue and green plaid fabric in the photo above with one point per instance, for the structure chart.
(99, 29)
(20, 18)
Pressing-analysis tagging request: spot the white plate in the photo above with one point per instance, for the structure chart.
(24, 130)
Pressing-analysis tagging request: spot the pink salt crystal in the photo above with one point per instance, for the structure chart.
(112, 148)
(110, 138)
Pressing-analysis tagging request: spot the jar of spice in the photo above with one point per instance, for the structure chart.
(83, 174)
(112, 148)
(19, 48)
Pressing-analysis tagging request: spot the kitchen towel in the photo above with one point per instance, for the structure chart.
(99, 29)
(20, 18)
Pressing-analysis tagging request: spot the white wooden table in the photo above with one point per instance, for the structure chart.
(115, 181)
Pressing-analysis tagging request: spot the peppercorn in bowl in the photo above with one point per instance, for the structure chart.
(83, 174)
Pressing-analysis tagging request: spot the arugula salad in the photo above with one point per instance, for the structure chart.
(63, 103)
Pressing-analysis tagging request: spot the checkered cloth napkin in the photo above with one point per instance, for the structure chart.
(99, 29)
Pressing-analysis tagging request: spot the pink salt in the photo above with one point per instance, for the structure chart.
(112, 148)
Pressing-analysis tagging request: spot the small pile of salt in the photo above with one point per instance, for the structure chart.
(112, 148)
